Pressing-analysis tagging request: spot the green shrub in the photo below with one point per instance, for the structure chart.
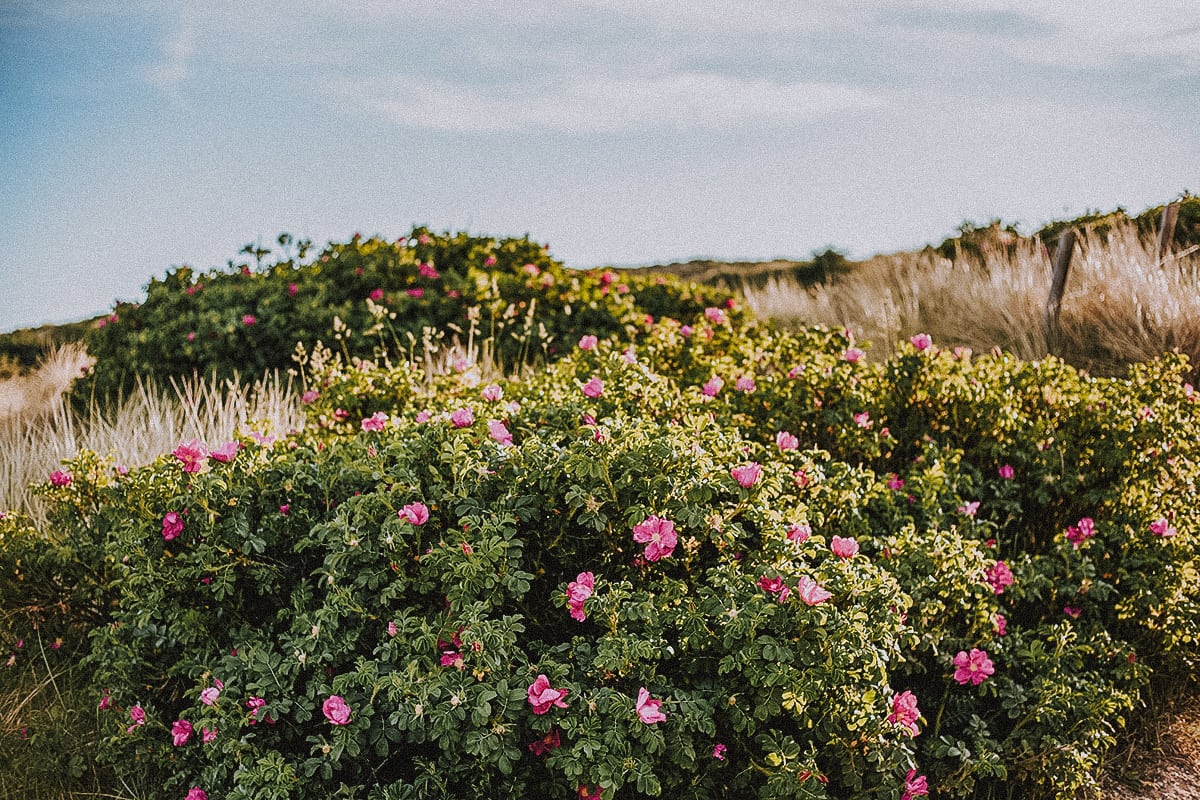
(1009, 549)
(369, 298)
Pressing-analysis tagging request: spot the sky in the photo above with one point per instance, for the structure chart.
(140, 135)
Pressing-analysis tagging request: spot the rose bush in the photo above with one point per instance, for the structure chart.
(751, 564)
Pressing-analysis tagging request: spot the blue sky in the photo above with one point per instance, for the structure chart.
(136, 135)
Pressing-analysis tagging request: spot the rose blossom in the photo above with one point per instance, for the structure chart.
(843, 547)
(973, 667)
(1000, 577)
(658, 535)
(542, 696)
(181, 731)
(172, 525)
(747, 474)
(335, 710)
(416, 513)
(647, 709)
(905, 712)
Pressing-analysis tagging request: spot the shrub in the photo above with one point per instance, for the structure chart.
(374, 298)
(612, 574)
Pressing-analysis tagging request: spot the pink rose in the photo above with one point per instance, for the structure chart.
(578, 592)
(542, 696)
(463, 418)
(863, 419)
(210, 695)
(747, 474)
(1161, 527)
(335, 710)
(718, 751)
(593, 388)
(416, 513)
(1081, 531)
(427, 271)
(310, 396)
(914, 785)
(1000, 577)
(208, 735)
(1006, 472)
(138, 715)
(196, 793)
(376, 422)
(922, 341)
(895, 483)
(226, 452)
(973, 667)
(715, 315)
(785, 441)
(376, 295)
(192, 454)
(647, 709)
(853, 355)
(712, 387)
(181, 731)
(843, 547)
(60, 478)
(905, 712)
(499, 431)
(811, 592)
(172, 525)
(418, 292)
(658, 535)
(492, 392)
(588, 342)
(799, 532)
(745, 385)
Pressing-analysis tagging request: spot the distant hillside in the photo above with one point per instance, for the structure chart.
(972, 238)
(21, 350)
(736, 274)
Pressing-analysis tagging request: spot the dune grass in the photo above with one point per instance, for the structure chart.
(135, 429)
(1120, 306)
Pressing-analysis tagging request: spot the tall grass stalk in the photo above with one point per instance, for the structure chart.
(1120, 306)
(136, 429)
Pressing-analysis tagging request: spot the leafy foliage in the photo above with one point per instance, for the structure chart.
(700, 557)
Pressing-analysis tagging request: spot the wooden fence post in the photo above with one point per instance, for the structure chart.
(1062, 263)
(1166, 231)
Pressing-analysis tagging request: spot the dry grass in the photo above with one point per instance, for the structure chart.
(135, 430)
(1120, 305)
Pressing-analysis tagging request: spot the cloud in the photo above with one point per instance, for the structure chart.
(177, 50)
(590, 104)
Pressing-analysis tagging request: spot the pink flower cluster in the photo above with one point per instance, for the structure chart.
(1161, 527)
(172, 525)
(786, 441)
(594, 388)
(499, 432)
(973, 667)
(914, 786)
(60, 478)
(578, 592)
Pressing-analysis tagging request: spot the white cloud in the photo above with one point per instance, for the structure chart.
(177, 50)
(583, 104)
